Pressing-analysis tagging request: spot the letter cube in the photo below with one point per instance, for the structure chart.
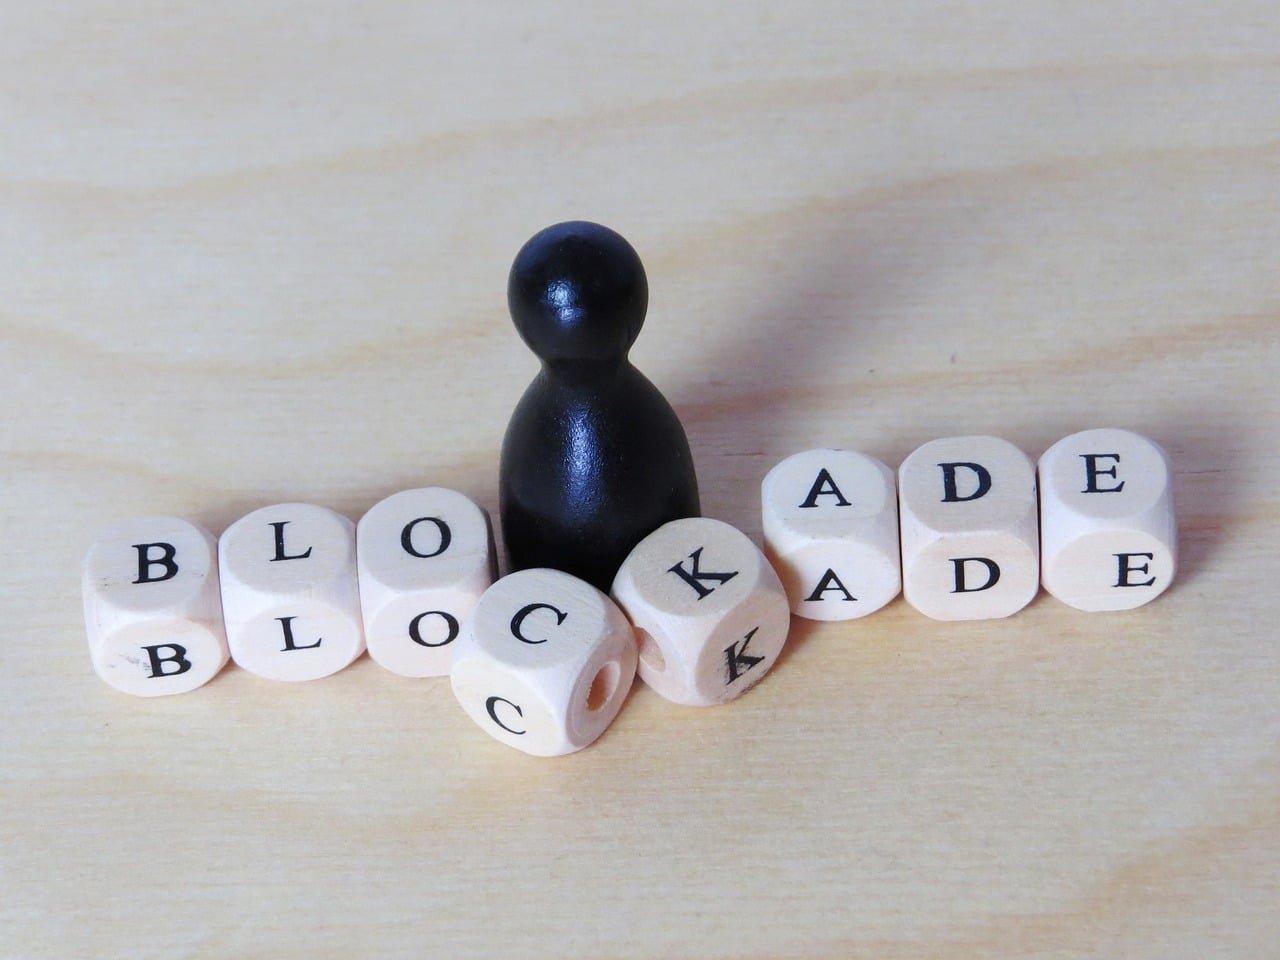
(970, 538)
(289, 592)
(544, 662)
(831, 532)
(710, 613)
(1107, 530)
(424, 558)
(152, 609)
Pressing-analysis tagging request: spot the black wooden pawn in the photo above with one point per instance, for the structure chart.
(594, 458)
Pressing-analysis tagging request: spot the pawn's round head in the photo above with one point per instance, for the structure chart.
(577, 291)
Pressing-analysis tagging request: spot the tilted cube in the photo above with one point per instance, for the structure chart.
(544, 662)
(710, 614)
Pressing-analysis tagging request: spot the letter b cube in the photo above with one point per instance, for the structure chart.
(151, 607)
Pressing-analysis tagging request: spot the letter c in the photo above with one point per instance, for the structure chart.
(490, 706)
(518, 620)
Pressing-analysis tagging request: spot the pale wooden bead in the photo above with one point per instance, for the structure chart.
(424, 559)
(710, 613)
(152, 608)
(970, 538)
(1107, 529)
(289, 592)
(544, 662)
(830, 520)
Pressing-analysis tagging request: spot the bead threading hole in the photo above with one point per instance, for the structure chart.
(650, 653)
(602, 686)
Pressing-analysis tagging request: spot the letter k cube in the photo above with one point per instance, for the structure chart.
(710, 612)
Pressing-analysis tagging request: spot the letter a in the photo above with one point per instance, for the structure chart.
(824, 486)
(829, 581)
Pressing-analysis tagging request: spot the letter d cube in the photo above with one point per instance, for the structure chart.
(970, 538)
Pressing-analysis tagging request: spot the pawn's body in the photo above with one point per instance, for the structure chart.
(594, 458)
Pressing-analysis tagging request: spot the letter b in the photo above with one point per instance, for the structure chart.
(164, 560)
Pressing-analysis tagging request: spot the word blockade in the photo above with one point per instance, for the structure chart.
(297, 592)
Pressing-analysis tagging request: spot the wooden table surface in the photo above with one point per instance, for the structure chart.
(257, 252)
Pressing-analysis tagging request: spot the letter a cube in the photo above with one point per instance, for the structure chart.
(831, 531)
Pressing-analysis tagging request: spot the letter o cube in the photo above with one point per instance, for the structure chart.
(831, 531)
(152, 608)
(710, 613)
(970, 530)
(425, 558)
(544, 662)
(1107, 530)
(289, 592)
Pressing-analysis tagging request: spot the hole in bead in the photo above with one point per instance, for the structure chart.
(650, 653)
(602, 686)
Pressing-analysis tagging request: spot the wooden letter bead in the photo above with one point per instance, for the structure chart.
(710, 613)
(424, 558)
(1108, 537)
(970, 543)
(831, 532)
(544, 662)
(152, 608)
(289, 592)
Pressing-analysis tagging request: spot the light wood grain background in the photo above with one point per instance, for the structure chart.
(254, 252)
